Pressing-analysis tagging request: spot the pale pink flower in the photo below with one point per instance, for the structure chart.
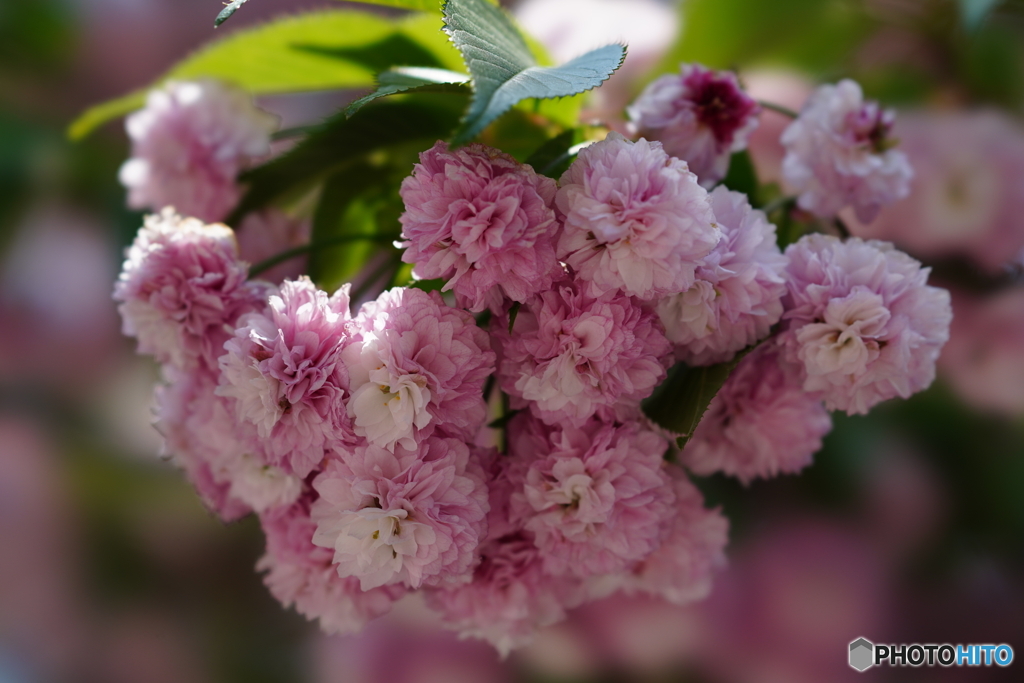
(416, 365)
(283, 370)
(682, 568)
(967, 198)
(571, 356)
(483, 222)
(181, 289)
(984, 360)
(761, 422)
(862, 321)
(838, 154)
(737, 296)
(636, 220)
(510, 597)
(301, 574)
(700, 116)
(403, 517)
(189, 144)
(595, 497)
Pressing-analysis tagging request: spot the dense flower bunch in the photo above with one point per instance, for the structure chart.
(502, 463)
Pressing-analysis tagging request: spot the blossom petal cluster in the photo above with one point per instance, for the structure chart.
(483, 439)
(481, 221)
(700, 116)
(838, 154)
(737, 294)
(636, 220)
(188, 145)
(861, 321)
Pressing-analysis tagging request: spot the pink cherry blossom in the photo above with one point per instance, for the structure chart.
(636, 220)
(403, 517)
(761, 422)
(189, 144)
(570, 356)
(181, 284)
(300, 574)
(594, 497)
(283, 370)
(700, 116)
(483, 222)
(682, 568)
(967, 198)
(417, 364)
(737, 295)
(838, 153)
(862, 321)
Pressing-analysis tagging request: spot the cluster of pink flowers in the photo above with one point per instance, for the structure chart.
(361, 439)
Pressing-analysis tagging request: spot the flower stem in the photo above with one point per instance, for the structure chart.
(312, 246)
(779, 109)
(779, 202)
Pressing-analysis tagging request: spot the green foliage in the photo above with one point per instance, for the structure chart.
(681, 400)
(723, 34)
(340, 141)
(742, 176)
(314, 51)
(34, 34)
(228, 10)
(405, 78)
(349, 207)
(504, 69)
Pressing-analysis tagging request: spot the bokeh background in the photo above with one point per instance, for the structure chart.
(909, 527)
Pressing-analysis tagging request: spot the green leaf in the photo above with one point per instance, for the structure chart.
(225, 13)
(503, 67)
(403, 78)
(294, 54)
(552, 158)
(347, 210)
(681, 400)
(341, 141)
(974, 12)
(725, 33)
(742, 176)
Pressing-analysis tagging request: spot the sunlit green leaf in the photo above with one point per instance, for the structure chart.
(504, 69)
(314, 51)
(404, 78)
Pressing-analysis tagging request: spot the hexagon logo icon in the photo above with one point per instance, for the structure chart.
(862, 653)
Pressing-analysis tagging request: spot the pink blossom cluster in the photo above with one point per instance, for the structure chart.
(503, 464)
(188, 145)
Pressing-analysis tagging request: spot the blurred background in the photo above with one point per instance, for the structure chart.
(909, 527)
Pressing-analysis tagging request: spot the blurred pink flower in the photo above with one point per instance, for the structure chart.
(636, 220)
(761, 423)
(189, 144)
(838, 153)
(483, 222)
(264, 234)
(967, 197)
(699, 115)
(984, 359)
